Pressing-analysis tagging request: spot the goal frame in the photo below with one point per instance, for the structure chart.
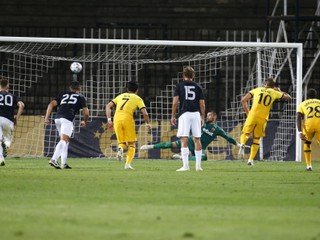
(297, 46)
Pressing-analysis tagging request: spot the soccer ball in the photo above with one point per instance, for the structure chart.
(76, 67)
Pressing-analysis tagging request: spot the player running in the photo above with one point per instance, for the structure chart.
(124, 126)
(69, 105)
(8, 103)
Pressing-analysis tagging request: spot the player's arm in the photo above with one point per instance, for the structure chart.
(299, 126)
(50, 107)
(20, 111)
(245, 101)
(227, 137)
(285, 96)
(145, 117)
(174, 110)
(202, 110)
(109, 107)
(85, 112)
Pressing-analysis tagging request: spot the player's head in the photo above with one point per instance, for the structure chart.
(74, 86)
(270, 82)
(188, 73)
(4, 84)
(311, 93)
(132, 86)
(211, 116)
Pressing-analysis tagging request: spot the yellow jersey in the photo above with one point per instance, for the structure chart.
(126, 104)
(310, 108)
(263, 99)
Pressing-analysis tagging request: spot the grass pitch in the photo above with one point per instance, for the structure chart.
(98, 199)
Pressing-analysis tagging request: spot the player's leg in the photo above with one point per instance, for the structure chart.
(7, 135)
(119, 129)
(130, 138)
(196, 133)
(184, 154)
(246, 132)
(198, 154)
(64, 153)
(307, 154)
(2, 162)
(66, 132)
(317, 134)
(65, 128)
(162, 145)
(58, 149)
(307, 147)
(184, 127)
(254, 149)
(258, 132)
(130, 155)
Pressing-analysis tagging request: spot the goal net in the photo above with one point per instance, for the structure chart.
(38, 70)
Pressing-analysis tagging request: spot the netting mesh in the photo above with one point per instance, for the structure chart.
(107, 68)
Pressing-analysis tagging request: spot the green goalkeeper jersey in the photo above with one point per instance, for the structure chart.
(209, 132)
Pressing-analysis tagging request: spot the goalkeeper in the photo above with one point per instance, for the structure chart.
(210, 131)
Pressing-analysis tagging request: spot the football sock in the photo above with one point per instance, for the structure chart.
(58, 150)
(162, 145)
(307, 152)
(244, 138)
(198, 154)
(64, 154)
(185, 155)
(130, 154)
(254, 148)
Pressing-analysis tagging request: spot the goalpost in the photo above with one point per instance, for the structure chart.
(109, 63)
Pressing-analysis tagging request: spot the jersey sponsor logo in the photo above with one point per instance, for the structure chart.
(207, 131)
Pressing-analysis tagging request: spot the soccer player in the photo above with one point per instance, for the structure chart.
(257, 117)
(309, 111)
(191, 111)
(69, 105)
(210, 131)
(124, 126)
(8, 104)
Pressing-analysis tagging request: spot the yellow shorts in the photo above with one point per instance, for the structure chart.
(255, 125)
(125, 131)
(311, 128)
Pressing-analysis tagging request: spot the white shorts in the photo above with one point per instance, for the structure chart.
(6, 131)
(189, 121)
(64, 126)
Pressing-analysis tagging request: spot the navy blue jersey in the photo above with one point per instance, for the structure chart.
(8, 103)
(69, 105)
(190, 93)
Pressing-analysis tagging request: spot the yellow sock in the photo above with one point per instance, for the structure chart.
(244, 138)
(130, 154)
(307, 152)
(254, 148)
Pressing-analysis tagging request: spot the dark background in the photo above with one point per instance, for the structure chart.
(202, 20)
(207, 20)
